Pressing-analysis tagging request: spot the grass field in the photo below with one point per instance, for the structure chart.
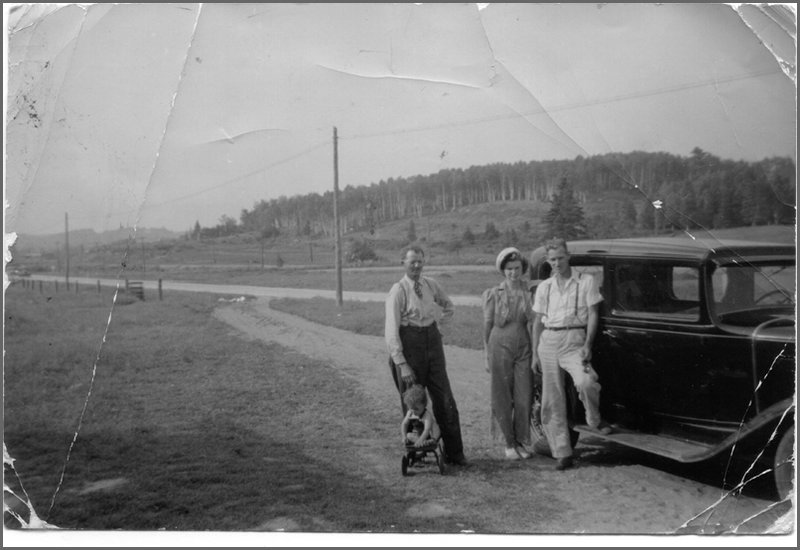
(187, 426)
(243, 259)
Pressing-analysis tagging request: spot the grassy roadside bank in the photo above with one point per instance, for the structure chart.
(457, 281)
(465, 329)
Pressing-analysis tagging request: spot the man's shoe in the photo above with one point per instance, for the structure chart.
(458, 461)
(522, 451)
(604, 428)
(564, 463)
(540, 447)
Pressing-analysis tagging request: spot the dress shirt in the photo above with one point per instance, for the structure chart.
(568, 306)
(405, 308)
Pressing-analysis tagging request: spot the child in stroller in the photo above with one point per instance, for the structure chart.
(419, 430)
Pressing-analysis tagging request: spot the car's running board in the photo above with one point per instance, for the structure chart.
(677, 449)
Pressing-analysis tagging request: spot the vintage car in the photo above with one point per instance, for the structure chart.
(695, 348)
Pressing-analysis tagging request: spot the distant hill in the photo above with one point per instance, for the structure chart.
(89, 237)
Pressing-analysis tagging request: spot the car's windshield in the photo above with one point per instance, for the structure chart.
(750, 286)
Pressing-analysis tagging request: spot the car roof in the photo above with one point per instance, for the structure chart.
(672, 247)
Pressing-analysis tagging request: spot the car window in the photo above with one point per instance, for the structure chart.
(656, 290)
(595, 271)
(686, 284)
(739, 287)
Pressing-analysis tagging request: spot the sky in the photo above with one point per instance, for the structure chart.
(164, 115)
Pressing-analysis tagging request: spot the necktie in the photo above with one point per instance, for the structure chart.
(418, 289)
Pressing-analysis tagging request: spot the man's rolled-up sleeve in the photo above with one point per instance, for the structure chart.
(443, 300)
(392, 327)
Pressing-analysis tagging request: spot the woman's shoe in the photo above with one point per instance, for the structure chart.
(522, 452)
(564, 463)
(512, 454)
(540, 447)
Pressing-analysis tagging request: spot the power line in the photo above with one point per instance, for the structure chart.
(244, 176)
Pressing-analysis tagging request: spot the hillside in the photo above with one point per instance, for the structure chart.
(442, 235)
(696, 191)
(89, 237)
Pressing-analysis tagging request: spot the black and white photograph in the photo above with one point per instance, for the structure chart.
(381, 274)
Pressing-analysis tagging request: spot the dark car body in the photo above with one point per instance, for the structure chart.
(696, 344)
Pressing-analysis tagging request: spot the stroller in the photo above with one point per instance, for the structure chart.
(431, 453)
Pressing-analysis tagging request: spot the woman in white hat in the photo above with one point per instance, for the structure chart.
(507, 315)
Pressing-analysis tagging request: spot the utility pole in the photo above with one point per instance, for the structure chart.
(144, 267)
(338, 237)
(66, 244)
(657, 205)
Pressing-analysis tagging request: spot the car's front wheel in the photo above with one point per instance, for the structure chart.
(538, 438)
(783, 465)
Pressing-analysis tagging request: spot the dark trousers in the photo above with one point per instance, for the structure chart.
(423, 349)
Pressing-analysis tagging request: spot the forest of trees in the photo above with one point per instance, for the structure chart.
(700, 190)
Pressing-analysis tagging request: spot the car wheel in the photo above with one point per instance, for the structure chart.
(537, 430)
(783, 465)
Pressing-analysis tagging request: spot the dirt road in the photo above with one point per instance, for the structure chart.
(246, 290)
(612, 490)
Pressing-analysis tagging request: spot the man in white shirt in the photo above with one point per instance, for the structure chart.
(415, 345)
(566, 307)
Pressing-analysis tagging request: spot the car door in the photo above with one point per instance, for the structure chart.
(656, 339)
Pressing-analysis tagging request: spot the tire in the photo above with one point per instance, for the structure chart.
(404, 465)
(537, 430)
(783, 464)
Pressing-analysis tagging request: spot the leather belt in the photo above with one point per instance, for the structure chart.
(418, 329)
(581, 327)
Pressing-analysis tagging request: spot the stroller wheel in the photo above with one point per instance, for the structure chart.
(404, 465)
(440, 462)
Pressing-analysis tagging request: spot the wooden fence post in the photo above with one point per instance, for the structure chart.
(98, 286)
(160, 296)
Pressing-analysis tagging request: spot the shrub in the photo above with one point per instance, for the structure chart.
(360, 251)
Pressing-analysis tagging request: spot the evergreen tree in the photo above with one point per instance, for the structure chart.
(510, 237)
(490, 232)
(565, 218)
(412, 232)
(469, 236)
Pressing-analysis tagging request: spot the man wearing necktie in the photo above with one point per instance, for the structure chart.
(413, 306)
